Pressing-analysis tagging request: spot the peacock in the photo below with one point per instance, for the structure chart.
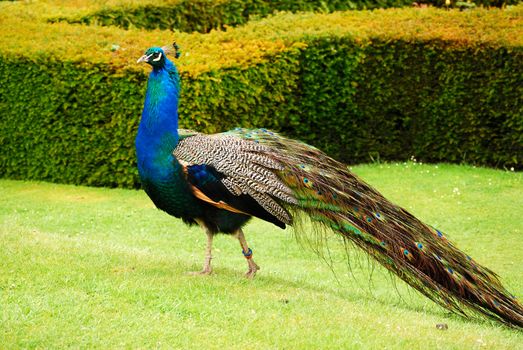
(221, 181)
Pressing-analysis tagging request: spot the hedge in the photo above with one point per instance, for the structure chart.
(205, 15)
(402, 99)
(76, 125)
(370, 85)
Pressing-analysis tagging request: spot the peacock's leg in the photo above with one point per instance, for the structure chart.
(207, 269)
(247, 252)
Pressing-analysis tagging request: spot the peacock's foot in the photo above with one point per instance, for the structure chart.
(205, 272)
(253, 268)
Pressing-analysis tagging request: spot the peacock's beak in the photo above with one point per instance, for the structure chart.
(144, 58)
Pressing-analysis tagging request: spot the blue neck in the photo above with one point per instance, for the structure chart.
(158, 131)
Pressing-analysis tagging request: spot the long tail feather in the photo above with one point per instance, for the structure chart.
(420, 255)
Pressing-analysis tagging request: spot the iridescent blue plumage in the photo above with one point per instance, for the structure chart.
(161, 174)
(163, 177)
(159, 124)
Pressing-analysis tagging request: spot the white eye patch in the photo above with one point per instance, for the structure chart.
(158, 58)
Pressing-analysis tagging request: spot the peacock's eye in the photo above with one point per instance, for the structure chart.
(157, 56)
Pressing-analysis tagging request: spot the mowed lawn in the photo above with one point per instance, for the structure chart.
(102, 268)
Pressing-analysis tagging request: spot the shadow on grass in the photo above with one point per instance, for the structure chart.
(223, 277)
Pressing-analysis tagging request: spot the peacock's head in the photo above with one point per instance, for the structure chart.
(155, 56)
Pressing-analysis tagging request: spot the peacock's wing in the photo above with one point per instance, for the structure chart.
(185, 133)
(236, 174)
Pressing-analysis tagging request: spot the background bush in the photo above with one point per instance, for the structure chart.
(205, 15)
(394, 100)
(77, 125)
(362, 86)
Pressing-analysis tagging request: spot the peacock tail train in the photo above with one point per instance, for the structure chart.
(324, 190)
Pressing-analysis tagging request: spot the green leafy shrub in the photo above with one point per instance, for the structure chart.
(77, 125)
(362, 86)
(394, 100)
(205, 15)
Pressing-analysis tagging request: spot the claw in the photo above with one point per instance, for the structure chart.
(253, 268)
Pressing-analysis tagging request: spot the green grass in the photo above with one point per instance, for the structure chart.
(91, 267)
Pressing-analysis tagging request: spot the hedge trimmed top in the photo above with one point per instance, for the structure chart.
(26, 33)
(204, 15)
